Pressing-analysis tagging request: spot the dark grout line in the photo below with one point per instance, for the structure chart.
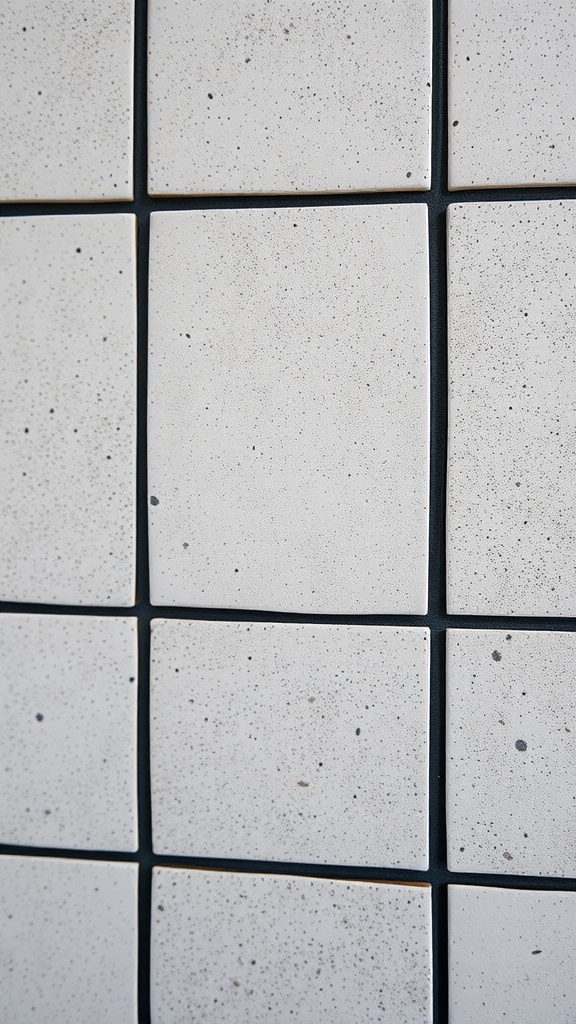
(439, 200)
(143, 205)
(11, 850)
(142, 211)
(437, 621)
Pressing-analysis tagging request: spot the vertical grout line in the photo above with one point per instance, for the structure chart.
(145, 824)
(142, 576)
(437, 562)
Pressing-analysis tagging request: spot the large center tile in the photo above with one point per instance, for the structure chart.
(288, 409)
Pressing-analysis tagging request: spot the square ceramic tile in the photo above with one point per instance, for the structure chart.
(243, 947)
(68, 696)
(512, 408)
(68, 409)
(68, 941)
(255, 725)
(66, 79)
(511, 93)
(288, 415)
(289, 97)
(511, 956)
(511, 749)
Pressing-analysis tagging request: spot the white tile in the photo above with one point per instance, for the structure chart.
(232, 947)
(512, 408)
(288, 416)
(511, 93)
(66, 75)
(289, 97)
(511, 747)
(68, 409)
(68, 732)
(290, 742)
(511, 956)
(68, 934)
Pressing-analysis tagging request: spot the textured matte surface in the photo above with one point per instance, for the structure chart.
(289, 97)
(511, 956)
(290, 742)
(68, 732)
(230, 947)
(68, 409)
(511, 749)
(512, 409)
(66, 83)
(511, 93)
(68, 945)
(288, 409)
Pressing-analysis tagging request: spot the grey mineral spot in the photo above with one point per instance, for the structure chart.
(521, 745)
(507, 855)
(303, 784)
(154, 500)
(496, 656)
(39, 717)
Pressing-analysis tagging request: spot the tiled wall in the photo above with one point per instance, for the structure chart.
(287, 545)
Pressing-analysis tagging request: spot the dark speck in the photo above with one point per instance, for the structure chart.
(521, 745)
(496, 656)
(357, 732)
(39, 717)
(47, 812)
(78, 250)
(508, 636)
(154, 500)
(210, 96)
(536, 951)
(160, 907)
(408, 174)
(454, 123)
(132, 679)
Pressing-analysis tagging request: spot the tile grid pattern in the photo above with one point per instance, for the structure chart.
(437, 200)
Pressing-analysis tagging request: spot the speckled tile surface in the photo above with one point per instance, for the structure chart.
(68, 409)
(511, 748)
(511, 956)
(231, 947)
(511, 93)
(290, 742)
(288, 409)
(289, 97)
(68, 697)
(67, 941)
(66, 79)
(512, 408)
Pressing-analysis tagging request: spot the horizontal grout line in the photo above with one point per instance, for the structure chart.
(57, 853)
(436, 875)
(437, 200)
(436, 621)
